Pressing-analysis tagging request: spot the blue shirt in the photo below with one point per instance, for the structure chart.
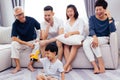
(100, 28)
(25, 31)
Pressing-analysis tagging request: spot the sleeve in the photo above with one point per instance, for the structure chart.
(14, 31)
(42, 60)
(60, 67)
(91, 27)
(81, 26)
(112, 26)
(37, 24)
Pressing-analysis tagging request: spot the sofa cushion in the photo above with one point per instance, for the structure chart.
(5, 46)
(5, 35)
(5, 59)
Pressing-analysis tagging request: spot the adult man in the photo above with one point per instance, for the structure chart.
(50, 28)
(23, 36)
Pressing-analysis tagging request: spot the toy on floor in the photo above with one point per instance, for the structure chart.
(35, 57)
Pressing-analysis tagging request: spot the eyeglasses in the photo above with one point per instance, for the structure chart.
(19, 14)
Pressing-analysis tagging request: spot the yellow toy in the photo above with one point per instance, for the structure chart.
(35, 57)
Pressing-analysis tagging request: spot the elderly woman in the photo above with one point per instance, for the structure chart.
(100, 26)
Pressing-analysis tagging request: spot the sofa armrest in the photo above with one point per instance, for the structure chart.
(114, 48)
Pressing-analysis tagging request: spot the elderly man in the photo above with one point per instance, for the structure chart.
(23, 36)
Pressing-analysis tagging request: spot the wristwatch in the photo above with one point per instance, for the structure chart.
(110, 19)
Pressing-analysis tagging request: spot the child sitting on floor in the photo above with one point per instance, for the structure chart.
(53, 67)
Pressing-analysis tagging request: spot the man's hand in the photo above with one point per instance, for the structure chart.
(43, 42)
(37, 41)
(30, 45)
(49, 24)
(95, 42)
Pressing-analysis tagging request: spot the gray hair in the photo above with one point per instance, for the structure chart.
(18, 8)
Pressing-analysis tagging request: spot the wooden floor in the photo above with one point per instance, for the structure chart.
(75, 74)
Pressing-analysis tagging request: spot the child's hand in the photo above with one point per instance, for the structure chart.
(31, 55)
(38, 60)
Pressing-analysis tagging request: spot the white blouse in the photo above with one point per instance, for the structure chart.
(78, 25)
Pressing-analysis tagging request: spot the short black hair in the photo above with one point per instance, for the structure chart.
(75, 11)
(102, 3)
(47, 8)
(52, 48)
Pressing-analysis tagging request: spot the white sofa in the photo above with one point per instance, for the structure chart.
(109, 53)
(5, 50)
(5, 60)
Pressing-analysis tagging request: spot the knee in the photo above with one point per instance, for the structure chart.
(66, 47)
(86, 43)
(14, 44)
(76, 46)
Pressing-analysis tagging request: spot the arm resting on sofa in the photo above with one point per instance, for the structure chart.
(114, 48)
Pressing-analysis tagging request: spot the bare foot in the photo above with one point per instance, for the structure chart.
(102, 68)
(68, 69)
(31, 68)
(15, 70)
(65, 68)
(96, 70)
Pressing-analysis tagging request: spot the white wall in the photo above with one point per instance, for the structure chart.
(59, 7)
(114, 7)
(6, 12)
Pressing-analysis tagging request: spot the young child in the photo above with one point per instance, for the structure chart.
(53, 67)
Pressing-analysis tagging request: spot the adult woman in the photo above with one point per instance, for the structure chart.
(101, 25)
(73, 26)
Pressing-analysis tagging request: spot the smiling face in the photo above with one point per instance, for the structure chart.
(100, 11)
(48, 15)
(19, 14)
(50, 55)
(70, 13)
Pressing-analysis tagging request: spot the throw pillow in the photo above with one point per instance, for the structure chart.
(72, 40)
(5, 35)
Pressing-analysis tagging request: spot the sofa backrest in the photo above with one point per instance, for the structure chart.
(86, 29)
(5, 35)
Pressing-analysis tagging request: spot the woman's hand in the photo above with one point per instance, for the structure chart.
(67, 35)
(108, 14)
(95, 42)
